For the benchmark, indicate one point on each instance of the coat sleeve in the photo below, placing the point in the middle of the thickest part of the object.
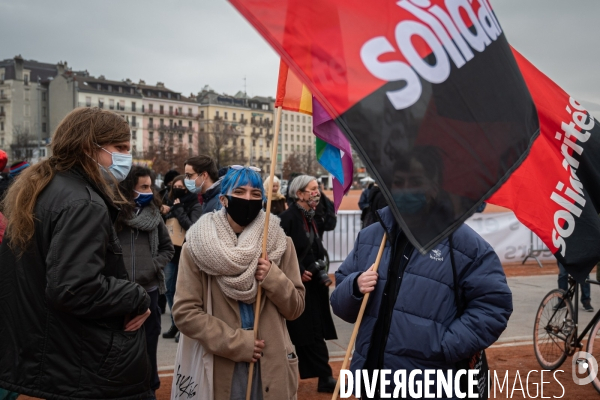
(343, 301)
(213, 333)
(488, 302)
(165, 247)
(283, 285)
(75, 262)
(187, 220)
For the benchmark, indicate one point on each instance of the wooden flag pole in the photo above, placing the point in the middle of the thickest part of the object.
(358, 321)
(264, 242)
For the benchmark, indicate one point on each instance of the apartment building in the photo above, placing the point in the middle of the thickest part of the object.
(24, 107)
(296, 134)
(162, 121)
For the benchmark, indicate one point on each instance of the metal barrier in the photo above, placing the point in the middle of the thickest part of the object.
(536, 248)
(340, 241)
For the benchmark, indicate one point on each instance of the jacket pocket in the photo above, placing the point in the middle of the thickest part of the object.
(126, 359)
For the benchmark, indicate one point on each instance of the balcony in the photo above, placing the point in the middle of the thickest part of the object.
(2, 114)
(243, 121)
(4, 98)
(218, 118)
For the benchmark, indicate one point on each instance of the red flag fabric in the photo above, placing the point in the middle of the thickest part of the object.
(556, 191)
(428, 92)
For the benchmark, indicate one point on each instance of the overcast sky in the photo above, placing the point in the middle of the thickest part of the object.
(191, 43)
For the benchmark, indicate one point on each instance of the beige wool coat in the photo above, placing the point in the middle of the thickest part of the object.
(221, 333)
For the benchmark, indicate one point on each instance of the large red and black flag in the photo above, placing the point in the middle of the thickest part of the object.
(428, 92)
(556, 190)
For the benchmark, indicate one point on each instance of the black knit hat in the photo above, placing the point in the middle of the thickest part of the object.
(170, 175)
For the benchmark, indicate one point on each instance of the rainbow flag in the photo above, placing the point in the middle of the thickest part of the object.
(333, 149)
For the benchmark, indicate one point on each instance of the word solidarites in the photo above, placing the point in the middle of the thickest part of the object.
(564, 219)
(447, 35)
(419, 384)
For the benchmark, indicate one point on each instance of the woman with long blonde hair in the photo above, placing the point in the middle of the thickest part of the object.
(69, 316)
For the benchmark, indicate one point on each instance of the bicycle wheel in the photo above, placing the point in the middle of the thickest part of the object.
(593, 347)
(553, 324)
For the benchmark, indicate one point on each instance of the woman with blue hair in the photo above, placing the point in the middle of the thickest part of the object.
(223, 250)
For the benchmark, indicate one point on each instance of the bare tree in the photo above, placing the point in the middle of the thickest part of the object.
(223, 142)
(169, 153)
(301, 163)
(22, 146)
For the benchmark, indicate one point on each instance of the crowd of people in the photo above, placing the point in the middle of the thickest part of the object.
(93, 253)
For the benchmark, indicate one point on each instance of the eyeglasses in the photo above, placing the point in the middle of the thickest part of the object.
(238, 167)
(189, 176)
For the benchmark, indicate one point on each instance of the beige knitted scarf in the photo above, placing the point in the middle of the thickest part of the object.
(232, 260)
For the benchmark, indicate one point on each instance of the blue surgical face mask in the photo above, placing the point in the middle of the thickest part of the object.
(121, 165)
(409, 202)
(143, 199)
(190, 184)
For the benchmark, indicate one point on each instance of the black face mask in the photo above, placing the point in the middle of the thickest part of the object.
(243, 211)
(179, 193)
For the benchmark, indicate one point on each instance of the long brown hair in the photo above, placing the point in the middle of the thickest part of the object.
(74, 144)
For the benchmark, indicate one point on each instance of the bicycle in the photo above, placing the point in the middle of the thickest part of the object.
(555, 329)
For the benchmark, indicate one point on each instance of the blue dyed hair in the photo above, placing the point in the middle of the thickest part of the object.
(241, 177)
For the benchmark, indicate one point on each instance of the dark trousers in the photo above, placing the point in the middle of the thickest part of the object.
(171, 270)
(152, 328)
(563, 283)
(313, 360)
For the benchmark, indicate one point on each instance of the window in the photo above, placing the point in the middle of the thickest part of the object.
(121, 105)
(304, 138)
(180, 110)
(265, 107)
(109, 88)
(241, 117)
(170, 109)
(233, 116)
(162, 122)
(297, 147)
(100, 103)
(181, 137)
(216, 114)
(292, 128)
(285, 117)
(297, 118)
(201, 113)
(189, 112)
(170, 123)
(111, 104)
(286, 147)
(190, 124)
(190, 139)
(134, 135)
(303, 118)
(285, 127)
(180, 123)
(297, 128)
(43, 127)
(242, 142)
(225, 115)
(150, 108)
(304, 129)
(88, 101)
(151, 136)
(43, 93)
(161, 109)
(253, 142)
(161, 137)
(297, 138)
(26, 79)
(2, 76)
(1, 126)
(133, 122)
(309, 118)
(291, 137)
(133, 106)
(43, 111)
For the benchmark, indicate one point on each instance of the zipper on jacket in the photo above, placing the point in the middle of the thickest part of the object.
(132, 256)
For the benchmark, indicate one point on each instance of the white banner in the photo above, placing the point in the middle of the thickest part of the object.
(511, 240)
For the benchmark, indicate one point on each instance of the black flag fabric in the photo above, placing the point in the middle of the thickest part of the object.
(428, 92)
(556, 190)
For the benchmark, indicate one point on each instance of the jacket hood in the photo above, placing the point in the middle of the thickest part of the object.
(213, 191)
(387, 220)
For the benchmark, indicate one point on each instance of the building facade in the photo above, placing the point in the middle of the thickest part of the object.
(24, 107)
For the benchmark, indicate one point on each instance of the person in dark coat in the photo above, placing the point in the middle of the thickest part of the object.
(315, 325)
(147, 248)
(70, 318)
(187, 210)
(278, 203)
(202, 178)
(376, 203)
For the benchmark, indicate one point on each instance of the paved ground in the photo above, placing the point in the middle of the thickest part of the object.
(528, 292)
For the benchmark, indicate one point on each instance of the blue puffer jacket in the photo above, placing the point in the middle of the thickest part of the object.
(424, 332)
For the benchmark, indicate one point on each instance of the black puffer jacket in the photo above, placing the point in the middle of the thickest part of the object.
(63, 303)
